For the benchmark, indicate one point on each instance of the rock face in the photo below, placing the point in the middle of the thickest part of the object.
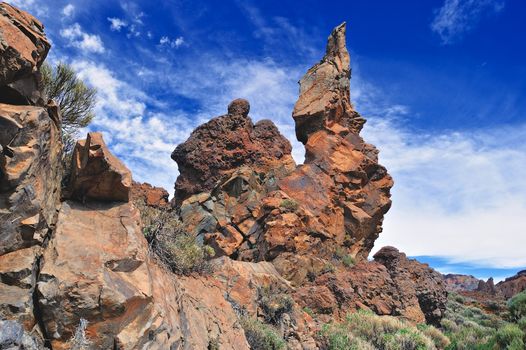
(512, 285)
(96, 173)
(216, 149)
(456, 282)
(152, 196)
(23, 44)
(254, 212)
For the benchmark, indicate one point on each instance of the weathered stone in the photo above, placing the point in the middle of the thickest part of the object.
(218, 148)
(412, 276)
(30, 174)
(23, 44)
(96, 173)
(13, 336)
(457, 282)
(512, 285)
(152, 196)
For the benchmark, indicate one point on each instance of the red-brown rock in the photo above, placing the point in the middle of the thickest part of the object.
(96, 173)
(216, 149)
(23, 44)
(512, 285)
(152, 196)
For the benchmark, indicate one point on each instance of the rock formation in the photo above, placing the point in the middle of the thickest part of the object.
(96, 173)
(152, 196)
(513, 285)
(286, 236)
(458, 282)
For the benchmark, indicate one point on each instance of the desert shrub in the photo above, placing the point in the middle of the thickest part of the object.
(510, 337)
(274, 304)
(517, 306)
(522, 324)
(308, 311)
(79, 341)
(342, 255)
(261, 336)
(76, 101)
(438, 338)
(289, 205)
(167, 239)
(365, 330)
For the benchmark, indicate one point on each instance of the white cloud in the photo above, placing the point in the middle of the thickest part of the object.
(174, 44)
(68, 10)
(116, 23)
(32, 6)
(456, 17)
(458, 195)
(82, 40)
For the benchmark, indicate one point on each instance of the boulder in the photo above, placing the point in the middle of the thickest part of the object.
(96, 173)
(23, 44)
(216, 149)
(458, 282)
(152, 196)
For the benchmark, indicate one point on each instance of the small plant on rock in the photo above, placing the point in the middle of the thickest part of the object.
(261, 336)
(274, 304)
(289, 205)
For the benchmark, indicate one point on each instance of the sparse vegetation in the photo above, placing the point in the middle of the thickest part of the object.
(261, 336)
(365, 330)
(76, 101)
(289, 205)
(517, 306)
(341, 254)
(79, 341)
(175, 248)
(274, 304)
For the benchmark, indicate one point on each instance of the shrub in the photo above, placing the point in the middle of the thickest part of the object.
(79, 341)
(438, 338)
(365, 330)
(308, 311)
(341, 254)
(510, 337)
(274, 304)
(289, 205)
(261, 336)
(167, 239)
(517, 306)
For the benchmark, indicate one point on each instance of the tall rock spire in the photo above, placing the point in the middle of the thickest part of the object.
(324, 100)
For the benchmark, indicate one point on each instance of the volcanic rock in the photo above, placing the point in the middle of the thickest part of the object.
(513, 285)
(96, 173)
(457, 282)
(412, 276)
(23, 44)
(152, 196)
(216, 149)
(30, 174)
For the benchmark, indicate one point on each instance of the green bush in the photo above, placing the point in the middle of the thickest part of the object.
(261, 336)
(274, 304)
(517, 306)
(342, 255)
(365, 330)
(510, 337)
(289, 205)
(167, 239)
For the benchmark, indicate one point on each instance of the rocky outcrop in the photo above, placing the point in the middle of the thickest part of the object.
(96, 173)
(30, 175)
(457, 282)
(218, 148)
(152, 196)
(336, 199)
(23, 48)
(512, 285)
(412, 276)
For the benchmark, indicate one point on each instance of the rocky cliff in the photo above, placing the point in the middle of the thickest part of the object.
(75, 265)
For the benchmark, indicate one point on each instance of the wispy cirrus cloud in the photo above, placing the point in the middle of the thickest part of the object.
(456, 17)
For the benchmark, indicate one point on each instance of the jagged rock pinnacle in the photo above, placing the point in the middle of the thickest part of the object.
(239, 106)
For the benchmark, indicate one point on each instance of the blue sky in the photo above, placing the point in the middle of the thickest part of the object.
(442, 84)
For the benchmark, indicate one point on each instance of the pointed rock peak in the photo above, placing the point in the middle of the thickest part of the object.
(324, 101)
(336, 51)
